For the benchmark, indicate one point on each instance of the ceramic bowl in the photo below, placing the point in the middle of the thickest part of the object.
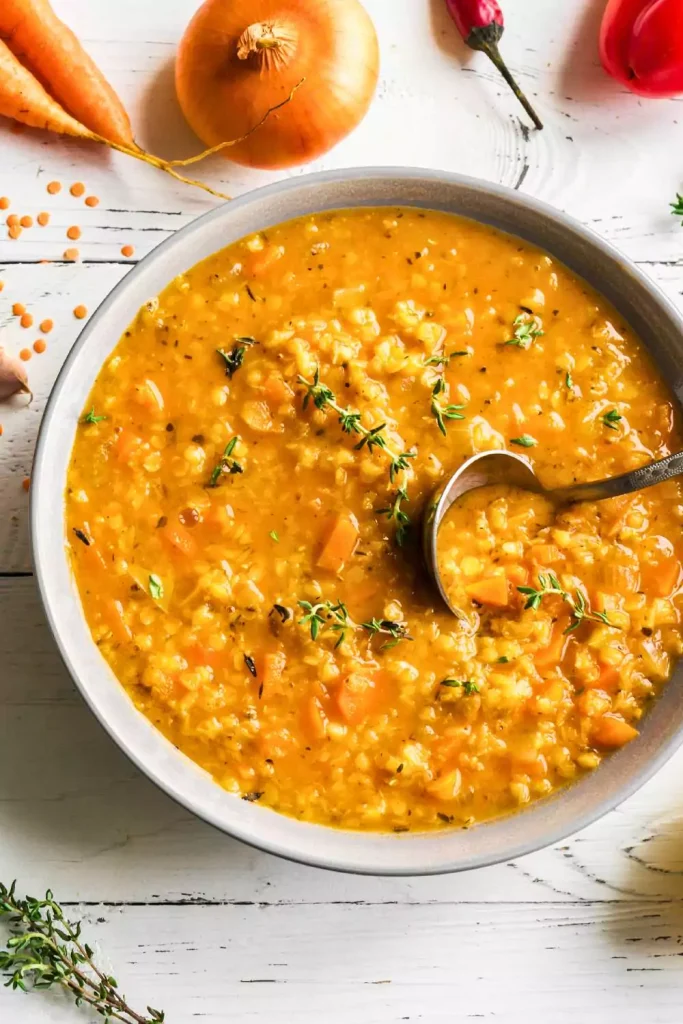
(638, 300)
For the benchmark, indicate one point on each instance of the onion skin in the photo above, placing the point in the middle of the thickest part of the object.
(237, 58)
(13, 378)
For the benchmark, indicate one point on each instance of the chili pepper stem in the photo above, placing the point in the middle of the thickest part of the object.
(493, 53)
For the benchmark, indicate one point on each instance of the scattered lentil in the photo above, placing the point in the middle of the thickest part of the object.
(80, 312)
(74, 233)
(39, 345)
(26, 483)
(4, 202)
(26, 221)
(43, 219)
(77, 189)
(127, 250)
(26, 320)
(25, 354)
(92, 201)
(18, 309)
(71, 254)
(54, 187)
(14, 231)
(12, 220)
(46, 326)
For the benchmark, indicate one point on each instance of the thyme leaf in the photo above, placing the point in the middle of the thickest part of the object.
(90, 417)
(468, 686)
(524, 441)
(677, 207)
(156, 587)
(611, 418)
(235, 357)
(227, 464)
(397, 515)
(526, 327)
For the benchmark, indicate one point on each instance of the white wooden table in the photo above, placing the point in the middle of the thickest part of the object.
(590, 931)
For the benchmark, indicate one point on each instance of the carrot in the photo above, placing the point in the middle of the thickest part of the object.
(179, 538)
(340, 542)
(553, 654)
(546, 554)
(493, 591)
(272, 667)
(612, 731)
(608, 680)
(517, 574)
(126, 443)
(114, 618)
(354, 698)
(23, 98)
(662, 577)
(315, 718)
(36, 36)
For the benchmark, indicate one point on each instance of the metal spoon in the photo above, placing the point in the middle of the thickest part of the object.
(501, 467)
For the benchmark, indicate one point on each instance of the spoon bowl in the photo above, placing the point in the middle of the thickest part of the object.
(503, 467)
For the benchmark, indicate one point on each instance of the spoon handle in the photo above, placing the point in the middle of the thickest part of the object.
(646, 476)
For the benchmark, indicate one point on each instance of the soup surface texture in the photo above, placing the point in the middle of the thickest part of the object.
(243, 510)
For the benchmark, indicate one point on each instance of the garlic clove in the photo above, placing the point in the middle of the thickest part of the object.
(13, 378)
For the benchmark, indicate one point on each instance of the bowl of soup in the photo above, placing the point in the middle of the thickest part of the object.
(225, 510)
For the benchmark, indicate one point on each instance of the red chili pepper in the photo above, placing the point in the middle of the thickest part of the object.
(641, 45)
(480, 23)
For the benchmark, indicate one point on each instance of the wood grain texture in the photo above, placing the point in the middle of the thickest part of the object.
(589, 930)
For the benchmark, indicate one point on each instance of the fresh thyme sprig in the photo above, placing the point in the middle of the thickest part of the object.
(677, 207)
(350, 421)
(443, 359)
(371, 437)
(235, 357)
(440, 411)
(397, 515)
(335, 616)
(44, 949)
(526, 327)
(548, 584)
(227, 464)
(396, 630)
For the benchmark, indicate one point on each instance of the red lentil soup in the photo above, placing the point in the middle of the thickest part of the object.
(244, 496)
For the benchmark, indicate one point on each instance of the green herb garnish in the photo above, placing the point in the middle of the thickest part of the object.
(44, 949)
(677, 207)
(524, 441)
(274, 536)
(526, 328)
(335, 616)
(227, 463)
(396, 630)
(467, 685)
(396, 514)
(156, 587)
(568, 380)
(235, 357)
(548, 584)
(440, 411)
(444, 359)
(350, 421)
(502, 660)
(611, 418)
(90, 417)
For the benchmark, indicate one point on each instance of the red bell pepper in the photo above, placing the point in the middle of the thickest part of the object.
(641, 45)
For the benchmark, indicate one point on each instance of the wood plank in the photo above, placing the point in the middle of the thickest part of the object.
(376, 964)
(78, 815)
